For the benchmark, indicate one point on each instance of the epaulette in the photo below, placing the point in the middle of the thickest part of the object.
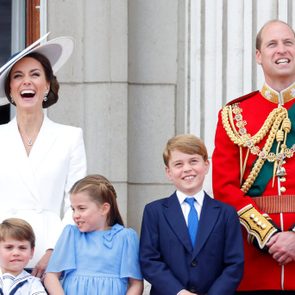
(239, 99)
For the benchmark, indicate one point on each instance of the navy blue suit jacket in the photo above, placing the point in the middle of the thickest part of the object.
(170, 263)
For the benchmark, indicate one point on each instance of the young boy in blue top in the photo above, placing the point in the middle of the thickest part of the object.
(190, 243)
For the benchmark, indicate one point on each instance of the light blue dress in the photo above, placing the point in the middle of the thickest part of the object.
(96, 263)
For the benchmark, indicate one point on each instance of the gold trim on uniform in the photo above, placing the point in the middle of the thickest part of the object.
(278, 97)
(275, 128)
(256, 224)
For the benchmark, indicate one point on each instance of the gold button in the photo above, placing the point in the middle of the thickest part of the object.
(283, 179)
(282, 189)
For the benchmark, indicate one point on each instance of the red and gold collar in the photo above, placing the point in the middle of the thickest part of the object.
(278, 97)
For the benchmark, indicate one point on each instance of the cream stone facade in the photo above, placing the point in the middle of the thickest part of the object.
(146, 70)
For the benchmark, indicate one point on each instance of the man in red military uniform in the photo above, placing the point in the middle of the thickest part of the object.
(254, 165)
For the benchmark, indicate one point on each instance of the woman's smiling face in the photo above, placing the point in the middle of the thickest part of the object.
(28, 84)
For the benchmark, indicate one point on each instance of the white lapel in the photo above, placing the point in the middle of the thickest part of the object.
(43, 143)
(26, 165)
(20, 159)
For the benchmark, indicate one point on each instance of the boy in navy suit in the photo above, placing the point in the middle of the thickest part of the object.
(190, 243)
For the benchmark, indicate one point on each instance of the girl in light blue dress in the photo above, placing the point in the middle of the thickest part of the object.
(97, 255)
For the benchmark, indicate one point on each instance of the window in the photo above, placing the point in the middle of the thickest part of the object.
(32, 21)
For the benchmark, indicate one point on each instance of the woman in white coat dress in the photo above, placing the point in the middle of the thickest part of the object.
(39, 159)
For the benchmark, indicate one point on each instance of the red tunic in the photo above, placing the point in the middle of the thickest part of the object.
(261, 272)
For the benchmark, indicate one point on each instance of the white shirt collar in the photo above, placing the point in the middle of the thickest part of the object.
(199, 197)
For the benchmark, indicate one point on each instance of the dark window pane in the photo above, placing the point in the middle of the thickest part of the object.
(5, 47)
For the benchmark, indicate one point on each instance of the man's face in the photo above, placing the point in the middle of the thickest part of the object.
(277, 53)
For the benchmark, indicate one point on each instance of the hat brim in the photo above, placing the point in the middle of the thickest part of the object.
(57, 51)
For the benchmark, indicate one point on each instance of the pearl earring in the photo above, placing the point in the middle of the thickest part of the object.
(45, 96)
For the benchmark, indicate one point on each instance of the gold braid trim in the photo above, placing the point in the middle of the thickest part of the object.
(266, 149)
(256, 224)
(246, 140)
(243, 139)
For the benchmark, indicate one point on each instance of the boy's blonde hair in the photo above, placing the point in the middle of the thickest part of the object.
(17, 229)
(185, 143)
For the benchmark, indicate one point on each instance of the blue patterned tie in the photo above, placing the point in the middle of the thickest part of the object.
(193, 220)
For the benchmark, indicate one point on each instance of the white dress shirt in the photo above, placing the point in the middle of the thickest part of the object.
(185, 207)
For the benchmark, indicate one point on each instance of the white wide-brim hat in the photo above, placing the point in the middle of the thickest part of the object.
(57, 51)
